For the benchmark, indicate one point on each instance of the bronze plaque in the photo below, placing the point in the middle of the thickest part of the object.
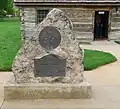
(49, 66)
(49, 38)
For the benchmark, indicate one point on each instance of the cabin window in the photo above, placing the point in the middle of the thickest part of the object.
(41, 14)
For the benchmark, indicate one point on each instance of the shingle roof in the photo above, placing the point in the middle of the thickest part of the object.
(70, 2)
(67, 1)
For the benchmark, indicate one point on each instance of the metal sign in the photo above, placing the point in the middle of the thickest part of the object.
(49, 66)
(49, 38)
(101, 12)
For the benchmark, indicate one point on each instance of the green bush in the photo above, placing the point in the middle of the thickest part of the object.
(2, 14)
(17, 12)
(10, 9)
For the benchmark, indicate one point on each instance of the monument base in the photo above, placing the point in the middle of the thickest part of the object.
(48, 91)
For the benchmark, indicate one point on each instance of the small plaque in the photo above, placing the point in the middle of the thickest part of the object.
(49, 66)
(49, 38)
(101, 12)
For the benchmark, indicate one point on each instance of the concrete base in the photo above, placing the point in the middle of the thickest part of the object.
(48, 91)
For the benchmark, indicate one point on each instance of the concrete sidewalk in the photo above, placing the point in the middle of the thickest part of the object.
(108, 74)
(105, 82)
(4, 78)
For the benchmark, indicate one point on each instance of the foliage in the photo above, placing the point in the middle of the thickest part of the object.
(6, 7)
(17, 12)
(3, 4)
(2, 13)
(3, 7)
(10, 9)
(94, 59)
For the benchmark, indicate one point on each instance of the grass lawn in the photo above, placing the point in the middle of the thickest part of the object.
(118, 42)
(10, 44)
(94, 59)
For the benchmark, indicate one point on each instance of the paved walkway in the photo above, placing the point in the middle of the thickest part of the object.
(105, 81)
(4, 77)
(108, 74)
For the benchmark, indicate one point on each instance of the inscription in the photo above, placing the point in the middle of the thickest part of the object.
(49, 66)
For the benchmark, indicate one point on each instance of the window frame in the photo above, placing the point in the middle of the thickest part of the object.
(41, 14)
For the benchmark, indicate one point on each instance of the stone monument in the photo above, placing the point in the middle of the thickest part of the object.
(49, 65)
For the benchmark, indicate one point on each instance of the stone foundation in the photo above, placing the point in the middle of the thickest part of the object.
(48, 91)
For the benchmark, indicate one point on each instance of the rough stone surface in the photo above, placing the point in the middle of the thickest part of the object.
(48, 91)
(23, 65)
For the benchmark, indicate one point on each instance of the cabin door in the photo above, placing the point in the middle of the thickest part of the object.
(101, 25)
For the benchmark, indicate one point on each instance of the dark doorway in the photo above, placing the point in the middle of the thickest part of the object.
(101, 25)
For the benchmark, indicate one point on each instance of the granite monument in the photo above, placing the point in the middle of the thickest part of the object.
(50, 63)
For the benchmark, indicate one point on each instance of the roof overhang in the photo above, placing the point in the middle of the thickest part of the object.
(113, 3)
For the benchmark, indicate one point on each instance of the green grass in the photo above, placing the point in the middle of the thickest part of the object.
(94, 59)
(118, 42)
(10, 44)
